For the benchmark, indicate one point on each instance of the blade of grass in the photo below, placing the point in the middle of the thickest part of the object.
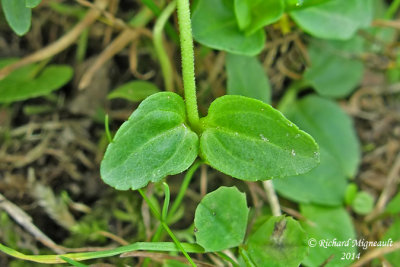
(72, 262)
(147, 246)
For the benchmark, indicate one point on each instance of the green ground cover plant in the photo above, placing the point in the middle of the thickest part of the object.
(307, 145)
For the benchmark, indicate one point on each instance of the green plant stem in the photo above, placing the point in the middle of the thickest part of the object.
(179, 197)
(157, 11)
(184, 186)
(246, 257)
(82, 46)
(166, 227)
(107, 129)
(73, 263)
(227, 258)
(166, 67)
(391, 11)
(141, 18)
(149, 246)
(166, 203)
(290, 96)
(187, 54)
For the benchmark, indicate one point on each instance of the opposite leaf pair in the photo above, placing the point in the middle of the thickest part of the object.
(240, 136)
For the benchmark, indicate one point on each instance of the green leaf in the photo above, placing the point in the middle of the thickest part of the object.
(280, 241)
(73, 263)
(323, 185)
(214, 25)
(394, 205)
(363, 203)
(18, 16)
(335, 71)
(249, 140)
(247, 77)
(338, 19)
(350, 194)
(32, 3)
(392, 235)
(340, 153)
(22, 84)
(253, 15)
(243, 13)
(321, 118)
(221, 219)
(327, 224)
(153, 143)
(291, 5)
(134, 91)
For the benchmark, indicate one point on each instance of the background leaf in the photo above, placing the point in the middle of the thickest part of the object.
(259, 13)
(335, 69)
(280, 241)
(32, 3)
(18, 16)
(134, 91)
(393, 233)
(394, 205)
(338, 19)
(301, 4)
(363, 203)
(246, 77)
(153, 143)
(249, 140)
(221, 219)
(327, 224)
(340, 153)
(22, 84)
(214, 25)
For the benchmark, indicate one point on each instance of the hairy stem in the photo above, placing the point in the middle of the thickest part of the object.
(187, 53)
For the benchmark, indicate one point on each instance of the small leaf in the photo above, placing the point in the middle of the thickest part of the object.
(21, 84)
(221, 219)
(335, 71)
(249, 140)
(253, 15)
(325, 225)
(363, 203)
(280, 241)
(214, 25)
(134, 91)
(394, 205)
(338, 19)
(247, 77)
(153, 143)
(339, 147)
(18, 16)
(350, 194)
(32, 3)
(393, 235)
